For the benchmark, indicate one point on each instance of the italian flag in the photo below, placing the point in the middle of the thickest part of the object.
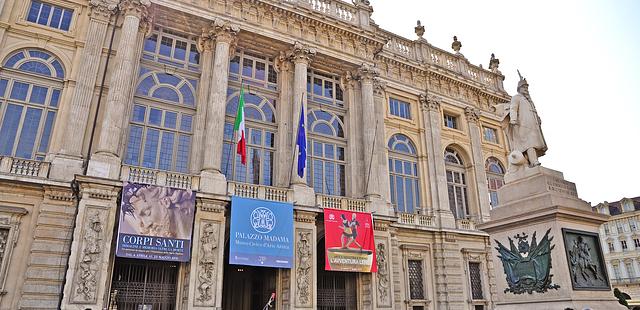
(238, 128)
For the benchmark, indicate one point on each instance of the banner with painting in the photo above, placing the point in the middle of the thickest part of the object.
(348, 241)
(261, 233)
(155, 223)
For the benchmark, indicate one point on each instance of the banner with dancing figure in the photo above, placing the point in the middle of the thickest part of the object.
(348, 241)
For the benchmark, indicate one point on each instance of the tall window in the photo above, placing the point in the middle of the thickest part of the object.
(490, 134)
(616, 271)
(456, 184)
(161, 124)
(475, 279)
(173, 49)
(30, 88)
(623, 244)
(450, 121)
(495, 179)
(50, 15)
(325, 120)
(630, 272)
(403, 174)
(260, 124)
(416, 282)
(254, 70)
(399, 108)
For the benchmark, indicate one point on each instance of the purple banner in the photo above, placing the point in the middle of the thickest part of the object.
(155, 223)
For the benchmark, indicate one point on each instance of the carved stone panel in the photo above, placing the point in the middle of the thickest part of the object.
(304, 265)
(586, 264)
(206, 276)
(90, 257)
(383, 277)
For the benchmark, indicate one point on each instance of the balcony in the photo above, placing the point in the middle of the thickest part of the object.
(342, 203)
(465, 224)
(420, 220)
(24, 167)
(161, 178)
(260, 192)
(623, 281)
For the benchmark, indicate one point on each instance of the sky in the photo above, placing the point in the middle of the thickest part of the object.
(578, 57)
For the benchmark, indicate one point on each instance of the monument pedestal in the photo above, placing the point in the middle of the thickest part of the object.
(534, 202)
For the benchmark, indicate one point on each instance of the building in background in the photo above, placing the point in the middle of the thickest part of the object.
(620, 239)
(96, 94)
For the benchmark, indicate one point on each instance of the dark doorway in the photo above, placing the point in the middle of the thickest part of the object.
(337, 290)
(247, 287)
(145, 284)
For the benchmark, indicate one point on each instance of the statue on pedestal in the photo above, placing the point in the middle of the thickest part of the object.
(526, 141)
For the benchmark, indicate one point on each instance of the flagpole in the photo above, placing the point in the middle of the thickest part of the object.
(375, 135)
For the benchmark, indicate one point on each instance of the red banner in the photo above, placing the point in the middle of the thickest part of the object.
(348, 241)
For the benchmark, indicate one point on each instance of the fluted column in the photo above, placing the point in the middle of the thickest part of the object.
(354, 184)
(380, 102)
(473, 115)
(67, 148)
(301, 56)
(370, 135)
(430, 106)
(284, 152)
(205, 47)
(105, 162)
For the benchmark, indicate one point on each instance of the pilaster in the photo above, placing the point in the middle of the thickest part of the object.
(383, 284)
(370, 133)
(303, 273)
(473, 115)
(225, 36)
(105, 162)
(207, 256)
(380, 150)
(354, 184)
(430, 106)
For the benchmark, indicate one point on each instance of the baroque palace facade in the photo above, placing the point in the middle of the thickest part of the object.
(95, 94)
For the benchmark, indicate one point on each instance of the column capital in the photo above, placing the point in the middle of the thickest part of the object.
(430, 102)
(379, 86)
(223, 31)
(472, 114)
(367, 73)
(282, 62)
(137, 8)
(102, 9)
(348, 80)
(301, 53)
(205, 42)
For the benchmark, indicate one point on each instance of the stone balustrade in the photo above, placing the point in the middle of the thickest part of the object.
(342, 203)
(339, 10)
(420, 220)
(621, 281)
(465, 224)
(24, 167)
(259, 192)
(161, 178)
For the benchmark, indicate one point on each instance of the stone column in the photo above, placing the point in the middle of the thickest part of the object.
(303, 273)
(207, 256)
(284, 152)
(473, 116)
(354, 184)
(225, 36)
(382, 169)
(370, 134)
(88, 273)
(67, 159)
(105, 162)
(301, 56)
(205, 47)
(430, 106)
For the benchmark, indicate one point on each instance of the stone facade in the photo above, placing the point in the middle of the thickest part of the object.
(620, 240)
(58, 205)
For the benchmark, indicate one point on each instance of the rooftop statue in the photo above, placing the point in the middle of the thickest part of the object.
(526, 141)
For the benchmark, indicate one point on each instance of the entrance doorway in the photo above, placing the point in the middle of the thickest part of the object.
(337, 290)
(247, 287)
(145, 284)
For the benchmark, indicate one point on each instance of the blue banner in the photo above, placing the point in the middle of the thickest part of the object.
(261, 233)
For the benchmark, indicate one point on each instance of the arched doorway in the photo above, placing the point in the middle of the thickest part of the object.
(337, 290)
(247, 287)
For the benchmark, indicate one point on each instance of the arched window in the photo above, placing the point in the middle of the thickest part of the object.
(403, 174)
(260, 127)
(326, 152)
(495, 179)
(161, 124)
(30, 90)
(456, 184)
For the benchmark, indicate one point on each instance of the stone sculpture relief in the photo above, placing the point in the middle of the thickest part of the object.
(586, 266)
(528, 266)
(208, 255)
(90, 258)
(303, 269)
(382, 274)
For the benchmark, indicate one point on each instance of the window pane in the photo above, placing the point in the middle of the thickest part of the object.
(3, 87)
(182, 156)
(44, 14)
(317, 86)
(273, 75)
(55, 98)
(318, 176)
(329, 151)
(400, 197)
(9, 128)
(341, 180)
(180, 52)
(170, 119)
(194, 55)
(269, 139)
(234, 66)
(254, 166)
(186, 122)
(138, 113)
(46, 133)
(19, 91)
(256, 137)
(38, 95)
(30, 127)
(227, 166)
(166, 44)
(329, 178)
(410, 199)
(56, 17)
(134, 145)
(267, 168)
(33, 11)
(340, 153)
(155, 117)
(260, 70)
(151, 148)
(317, 148)
(240, 169)
(392, 187)
(150, 43)
(247, 67)
(66, 20)
(328, 89)
(166, 150)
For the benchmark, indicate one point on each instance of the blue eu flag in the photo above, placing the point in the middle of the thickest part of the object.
(301, 142)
